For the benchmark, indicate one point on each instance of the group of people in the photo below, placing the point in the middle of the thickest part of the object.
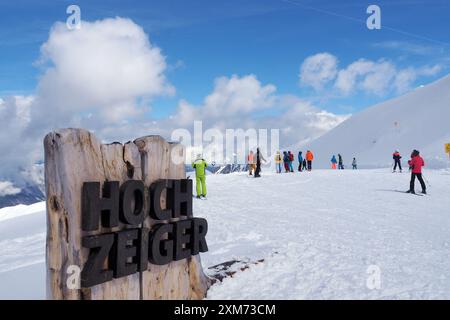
(340, 163)
(287, 159)
(415, 167)
(254, 161)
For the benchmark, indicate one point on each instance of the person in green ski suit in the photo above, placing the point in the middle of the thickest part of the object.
(200, 175)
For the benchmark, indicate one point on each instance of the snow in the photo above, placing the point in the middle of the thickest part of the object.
(417, 120)
(22, 252)
(319, 233)
(20, 210)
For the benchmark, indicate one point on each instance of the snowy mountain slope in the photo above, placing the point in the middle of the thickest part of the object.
(315, 231)
(30, 184)
(28, 194)
(231, 168)
(418, 120)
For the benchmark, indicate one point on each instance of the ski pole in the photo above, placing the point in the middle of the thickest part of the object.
(426, 180)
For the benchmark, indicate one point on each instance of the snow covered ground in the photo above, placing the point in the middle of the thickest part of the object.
(317, 232)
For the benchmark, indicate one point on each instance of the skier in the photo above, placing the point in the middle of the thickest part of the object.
(200, 176)
(291, 160)
(333, 162)
(278, 161)
(396, 156)
(259, 158)
(416, 163)
(286, 161)
(300, 161)
(309, 159)
(304, 167)
(340, 162)
(251, 163)
(354, 165)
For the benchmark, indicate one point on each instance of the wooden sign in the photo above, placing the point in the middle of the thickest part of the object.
(81, 175)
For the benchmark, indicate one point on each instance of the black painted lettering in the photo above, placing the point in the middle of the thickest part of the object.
(198, 236)
(94, 208)
(182, 230)
(123, 257)
(156, 191)
(132, 202)
(160, 249)
(93, 272)
(181, 198)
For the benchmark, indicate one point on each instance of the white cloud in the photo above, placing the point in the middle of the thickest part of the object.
(370, 77)
(405, 78)
(106, 66)
(318, 70)
(17, 149)
(7, 189)
(408, 47)
(104, 77)
(95, 77)
(230, 97)
(240, 102)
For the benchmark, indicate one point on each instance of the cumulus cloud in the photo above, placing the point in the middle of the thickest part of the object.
(230, 97)
(17, 149)
(104, 78)
(7, 189)
(100, 76)
(241, 102)
(106, 65)
(317, 70)
(366, 75)
(370, 77)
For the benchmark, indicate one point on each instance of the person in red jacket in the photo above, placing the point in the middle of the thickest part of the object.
(416, 163)
(396, 156)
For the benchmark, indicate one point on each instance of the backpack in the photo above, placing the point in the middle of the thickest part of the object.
(291, 157)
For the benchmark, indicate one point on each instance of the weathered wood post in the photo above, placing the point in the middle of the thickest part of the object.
(75, 156)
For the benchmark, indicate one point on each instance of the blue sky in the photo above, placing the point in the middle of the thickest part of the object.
(203, 40)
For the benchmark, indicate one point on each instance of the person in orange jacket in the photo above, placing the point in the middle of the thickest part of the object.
(309, 159)
(251, 163)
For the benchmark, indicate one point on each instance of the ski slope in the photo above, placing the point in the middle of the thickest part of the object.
(317, 232)
(416, 120)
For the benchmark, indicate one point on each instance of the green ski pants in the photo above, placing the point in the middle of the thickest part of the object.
(201, 185)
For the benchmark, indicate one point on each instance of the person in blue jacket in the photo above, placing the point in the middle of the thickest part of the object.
(286, 161)
(300, 161)
(333, 162)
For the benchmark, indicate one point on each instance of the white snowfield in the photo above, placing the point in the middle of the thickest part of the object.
(322, 235)
(416, 120)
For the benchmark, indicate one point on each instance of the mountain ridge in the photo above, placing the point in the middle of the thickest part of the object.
(416, 120)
